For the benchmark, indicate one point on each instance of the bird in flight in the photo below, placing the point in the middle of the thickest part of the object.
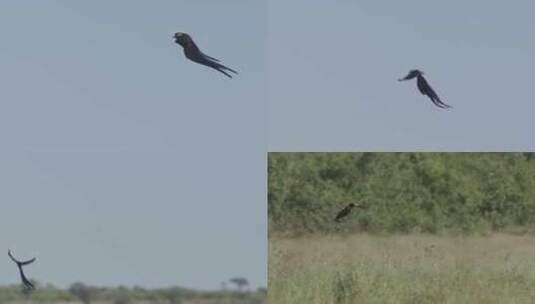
(425, 88)
(345, 212)
(193, 53)
(25, 280)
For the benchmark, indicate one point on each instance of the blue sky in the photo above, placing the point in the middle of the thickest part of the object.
(122, 162)
(333, 69)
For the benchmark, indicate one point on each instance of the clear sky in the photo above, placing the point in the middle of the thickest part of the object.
(333, 68)
(121, 161)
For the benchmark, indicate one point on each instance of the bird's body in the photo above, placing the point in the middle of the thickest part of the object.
(425, 88)
(25, 280)
(193, 53)
(345, 212)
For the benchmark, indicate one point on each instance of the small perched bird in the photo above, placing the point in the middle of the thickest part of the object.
(425, 88)
(345, 212)
(193, 53)
(25, 281)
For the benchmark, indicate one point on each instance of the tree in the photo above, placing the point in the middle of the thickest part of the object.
(239, 282)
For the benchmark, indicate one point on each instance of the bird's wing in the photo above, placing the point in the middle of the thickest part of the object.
(337, 217)
(424, 86)
(20, 262)
(193, 47)
(211, 61)
(429, 90)
(342, 213)
(426, 89)
(27, 262)
(11, 256)
(194, 54)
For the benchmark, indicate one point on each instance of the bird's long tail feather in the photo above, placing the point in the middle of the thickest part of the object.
(439, 103)
(221, 68)
(210, 57)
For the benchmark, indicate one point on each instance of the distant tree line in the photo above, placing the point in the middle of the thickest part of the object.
(403, 192)
(82, 293)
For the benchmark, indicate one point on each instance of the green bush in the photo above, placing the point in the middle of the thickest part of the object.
(403, 192)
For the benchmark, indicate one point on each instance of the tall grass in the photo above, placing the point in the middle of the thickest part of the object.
(402, 269)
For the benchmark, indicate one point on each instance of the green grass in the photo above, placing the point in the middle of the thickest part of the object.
(402, 269)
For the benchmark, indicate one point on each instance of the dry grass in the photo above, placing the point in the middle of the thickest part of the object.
(402, 269)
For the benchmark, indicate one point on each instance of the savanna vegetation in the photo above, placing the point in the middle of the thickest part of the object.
(402, 269)
(82, 293)
(403, 192)
(436, 228)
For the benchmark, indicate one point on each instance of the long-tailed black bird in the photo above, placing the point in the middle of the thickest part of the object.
(425, 88)
(193, 53)
(25, 280)
(345, 212)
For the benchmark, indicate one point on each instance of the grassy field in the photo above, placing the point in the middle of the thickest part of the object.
(402, 269)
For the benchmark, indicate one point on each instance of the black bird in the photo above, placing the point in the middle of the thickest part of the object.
(425, 88)
(193, 53)
(25, 281)
(345, 212)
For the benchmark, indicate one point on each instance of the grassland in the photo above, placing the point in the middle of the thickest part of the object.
(402, 269)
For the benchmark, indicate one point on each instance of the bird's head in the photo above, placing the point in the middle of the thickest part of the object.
(412, 74)
(181, 38)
